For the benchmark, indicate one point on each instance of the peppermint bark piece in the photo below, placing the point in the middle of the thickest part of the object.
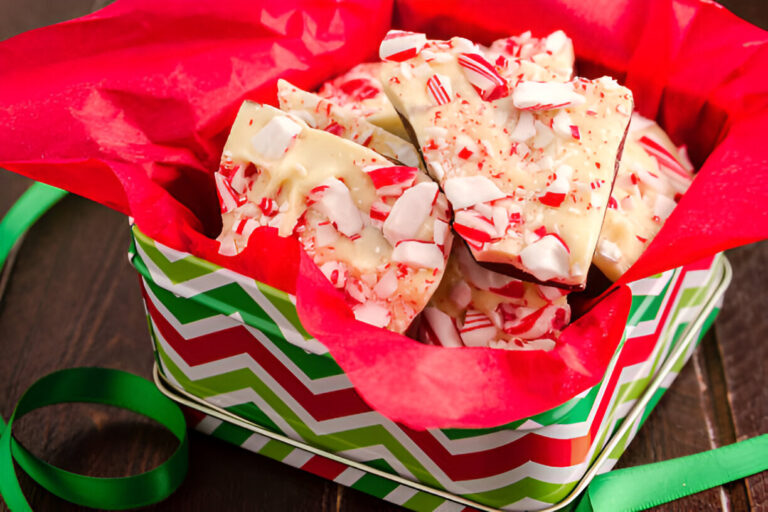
(553, 53)
(359, 90)
(378, 232)
(476, 307)
(527, 166)
(325, 115)
(653, 176)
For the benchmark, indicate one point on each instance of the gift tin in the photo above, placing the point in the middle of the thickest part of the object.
(234, 352)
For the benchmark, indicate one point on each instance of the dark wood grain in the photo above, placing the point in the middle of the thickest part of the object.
(742, 333)
(73, 300)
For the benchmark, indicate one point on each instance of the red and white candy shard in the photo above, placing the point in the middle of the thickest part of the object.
(545, 96)
(475, 307)
(359, 91)
(343, 120)
(399, 45)
(334, 201)
(653, 176)
(553, 53)
(377, 231)
(409, 213)
(275, 138)
(439, 88)
(526, 159)
(483, 76)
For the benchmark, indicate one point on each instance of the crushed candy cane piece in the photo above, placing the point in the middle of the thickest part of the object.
(359, 92)
(275, 138)
(400, 45)
(529, 95)
(483, 76)
(333, 199)
(372, 313)
(409, 212)
(419, 254)
(439, 87)
(442, 328)
(391, 180)
(466, 191)
(546, 258)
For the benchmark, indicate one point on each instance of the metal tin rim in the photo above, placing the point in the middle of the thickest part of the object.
(183, 397)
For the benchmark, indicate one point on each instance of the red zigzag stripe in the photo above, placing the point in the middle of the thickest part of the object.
(480, 464)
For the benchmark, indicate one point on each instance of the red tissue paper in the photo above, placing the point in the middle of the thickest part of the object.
(131, 107)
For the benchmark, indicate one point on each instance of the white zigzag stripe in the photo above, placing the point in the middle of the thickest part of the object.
(349, 476)
(220, 322)
(529, 469)
(503, 437)
(485, 479)
(449, 506)
(297, 458)
(186, 289)
(374, 452)
(223, 277)
(194, 329)
(697, 278)
(650, 285)
(528, 504)
(290, 333)
(400, 494)
(507, 438)
(255, 442)
(247, 395)
(208, 424)
(171, 254)
(649, 326)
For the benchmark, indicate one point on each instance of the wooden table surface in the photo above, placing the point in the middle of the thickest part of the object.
(73, 300)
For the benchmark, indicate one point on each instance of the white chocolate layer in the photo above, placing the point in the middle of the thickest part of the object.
(359, 89)
(336, 196)
(476, 307)
(652, 177)
(550, 148)
(345, 122)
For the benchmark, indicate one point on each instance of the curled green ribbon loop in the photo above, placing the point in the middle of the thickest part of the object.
(93, 385)
(104, 386)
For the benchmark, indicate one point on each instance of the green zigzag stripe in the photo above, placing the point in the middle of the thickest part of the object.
(232, 298)
(643, 308)
(191, 267)
(284, 303)
(688, 297)
(196, 308)
(213, 302)
(179, 271)
(576, 410)
(337, 442)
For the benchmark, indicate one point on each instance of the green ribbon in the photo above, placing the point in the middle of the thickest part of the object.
(642, 487)
(102, 386)
(38, 199)
(91, 385)
(627, 489)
